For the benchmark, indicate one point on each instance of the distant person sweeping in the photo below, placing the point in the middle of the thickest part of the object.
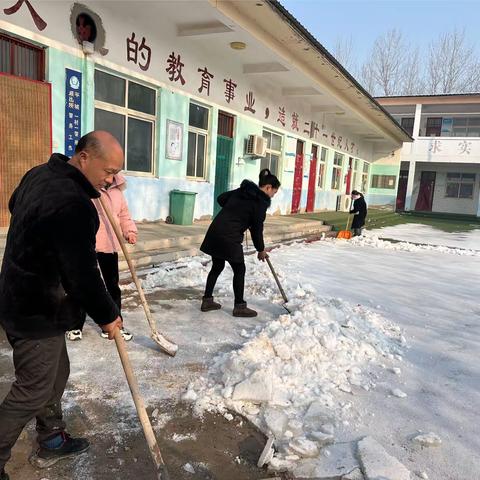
(242, 209)
(359, 212)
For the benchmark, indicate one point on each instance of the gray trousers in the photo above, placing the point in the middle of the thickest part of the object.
(42, 368)
(357, 231)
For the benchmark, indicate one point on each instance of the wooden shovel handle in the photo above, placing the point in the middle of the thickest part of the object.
(162, 473)
(285, 299)
(128, 258)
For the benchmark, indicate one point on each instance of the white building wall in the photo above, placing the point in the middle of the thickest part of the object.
(441, 203)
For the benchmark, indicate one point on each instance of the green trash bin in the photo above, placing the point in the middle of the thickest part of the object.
(182, 206)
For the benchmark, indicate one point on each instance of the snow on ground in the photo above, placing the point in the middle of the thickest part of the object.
(381, 342)
(418, 233)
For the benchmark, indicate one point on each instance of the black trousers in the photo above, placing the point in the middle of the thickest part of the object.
(108, 264)
(239, 269)
(42, 368)
(357, 231)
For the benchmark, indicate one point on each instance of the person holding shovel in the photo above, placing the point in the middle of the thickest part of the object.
(359, 212)
(107, 245)
(48, 276)
(242, 209)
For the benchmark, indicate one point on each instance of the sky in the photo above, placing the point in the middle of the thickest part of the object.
(421, 21)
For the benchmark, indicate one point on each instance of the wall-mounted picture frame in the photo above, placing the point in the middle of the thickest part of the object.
(174, 143)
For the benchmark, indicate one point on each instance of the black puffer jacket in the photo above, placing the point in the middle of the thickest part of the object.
(49, 272)
(243, 208)
(359, 209)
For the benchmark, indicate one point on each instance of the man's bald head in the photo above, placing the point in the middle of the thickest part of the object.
(98, 155)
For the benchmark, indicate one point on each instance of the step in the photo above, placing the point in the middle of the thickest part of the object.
(146, 258)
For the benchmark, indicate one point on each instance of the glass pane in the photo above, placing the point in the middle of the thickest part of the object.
(109, 89)
(191, 154)
(4, 56)
(139, 150)
(324, 154)
(468, 177)
(473, 131)
(466, 190)
(268, 137)
(459, 122)
(141, 98)
(321, 173)
(276, 142)
(265, 162)
(202, 139)
(453, 175)
(274, 159)
(365, 167)
(452, 190)
(111, 122)
(198, 116)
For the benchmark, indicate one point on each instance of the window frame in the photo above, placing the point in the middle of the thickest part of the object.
(382, 181)
(205, 133)
(364, 177)
(270, 151)
(322, 162)
(39, 51)
(335, 168)
(461, 181)
(127, 113)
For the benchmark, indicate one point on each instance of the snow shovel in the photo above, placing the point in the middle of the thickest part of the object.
(163, 342)
(346, 234)
(161, 469)
(285, 299)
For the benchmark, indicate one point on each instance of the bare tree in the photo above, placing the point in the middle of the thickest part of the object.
(343, 52)
(367, 80)
(412, 81)
(452, 65)
(387, 61)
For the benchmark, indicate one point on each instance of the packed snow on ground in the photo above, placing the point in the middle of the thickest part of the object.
(426, 234)
(381, 342)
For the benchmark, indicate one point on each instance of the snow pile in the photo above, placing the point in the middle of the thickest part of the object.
(372, 240)
(189, 273)
(294, 377)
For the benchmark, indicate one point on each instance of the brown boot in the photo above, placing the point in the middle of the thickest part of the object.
(241, 310)
(208, 305)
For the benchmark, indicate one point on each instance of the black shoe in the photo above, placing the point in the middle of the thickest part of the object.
(241, 310)
(71, 447)
(208, 304)
(4, 475)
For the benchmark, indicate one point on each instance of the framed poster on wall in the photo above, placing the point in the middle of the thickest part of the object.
(174, 141)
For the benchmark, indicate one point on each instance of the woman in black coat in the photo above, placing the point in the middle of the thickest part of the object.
(242, 209)
(359, 212)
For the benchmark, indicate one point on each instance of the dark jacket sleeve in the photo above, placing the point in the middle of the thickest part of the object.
(222, 199)
(73, 234)
(256, 229)
(354, 208)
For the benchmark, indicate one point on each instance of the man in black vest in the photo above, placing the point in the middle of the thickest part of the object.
(49, 276)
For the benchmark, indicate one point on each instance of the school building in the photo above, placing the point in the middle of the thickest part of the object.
(440, 170)
(201, 94)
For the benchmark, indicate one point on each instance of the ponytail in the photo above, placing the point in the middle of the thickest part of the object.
(267, 178)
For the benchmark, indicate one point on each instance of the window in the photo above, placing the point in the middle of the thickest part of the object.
(322, 167)
(407, 124)
(460, 185)
(271, 160)
(197, 140)
(366, 169)
(466, 127)
(356, 168)
(434, 127)
(127, 110)
(384, 181)
(337, 171)
(21, 59)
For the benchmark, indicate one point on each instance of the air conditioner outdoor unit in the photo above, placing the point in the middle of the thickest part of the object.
(343, 203)
(256, 146)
